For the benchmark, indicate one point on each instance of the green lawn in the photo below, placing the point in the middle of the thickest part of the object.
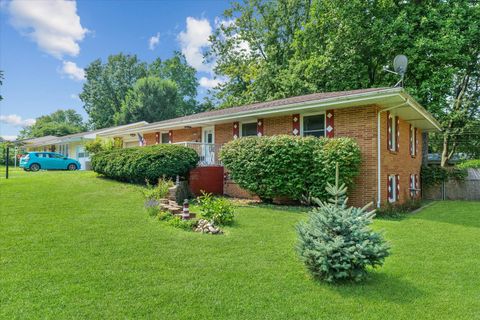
(73, 245)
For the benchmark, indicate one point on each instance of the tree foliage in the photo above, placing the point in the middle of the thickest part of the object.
(58, 123)
(275, 49)
(151, 99)
(108, 85)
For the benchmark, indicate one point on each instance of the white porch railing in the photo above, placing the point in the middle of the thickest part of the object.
(208, 152)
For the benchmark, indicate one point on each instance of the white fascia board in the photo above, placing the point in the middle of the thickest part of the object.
(421, 110)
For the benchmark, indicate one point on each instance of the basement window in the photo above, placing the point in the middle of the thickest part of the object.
(393, 188)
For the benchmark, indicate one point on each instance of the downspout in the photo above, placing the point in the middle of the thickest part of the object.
(379, 152)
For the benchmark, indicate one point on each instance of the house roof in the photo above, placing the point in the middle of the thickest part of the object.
(385, 97)
(49, 140)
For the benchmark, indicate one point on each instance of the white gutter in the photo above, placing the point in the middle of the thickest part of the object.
(379, 152)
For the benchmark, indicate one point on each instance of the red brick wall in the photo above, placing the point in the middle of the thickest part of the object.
(149, 138)
(399, 162)
(191, 134)
(278, 125)
(361, 125)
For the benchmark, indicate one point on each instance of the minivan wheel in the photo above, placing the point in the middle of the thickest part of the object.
(34, 167)
(72, 166)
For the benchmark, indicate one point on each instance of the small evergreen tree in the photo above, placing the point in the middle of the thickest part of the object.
(336, 242)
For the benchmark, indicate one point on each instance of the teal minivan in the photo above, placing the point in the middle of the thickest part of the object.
(34, 161)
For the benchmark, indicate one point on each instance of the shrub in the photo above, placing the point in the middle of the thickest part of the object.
(187, 225)
(164, 216)
(336, 242)
(395, 210)
(99, 145)
(470, 164)
(288, 166)
(218, 210)
(158, 191)
(145, 163)
(433, 175)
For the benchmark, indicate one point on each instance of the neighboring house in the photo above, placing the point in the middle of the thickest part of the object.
(72, 145)
(387, 123)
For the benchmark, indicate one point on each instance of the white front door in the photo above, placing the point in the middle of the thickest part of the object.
(208, 146)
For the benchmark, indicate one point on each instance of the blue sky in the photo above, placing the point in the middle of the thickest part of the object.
(44, 44)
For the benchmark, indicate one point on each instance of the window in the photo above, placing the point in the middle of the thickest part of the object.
(413, 141)
(249, 129)
(393, 187)
(165, 138)
(57, 156)
(314, 125)
(414, 185)
(392, 125)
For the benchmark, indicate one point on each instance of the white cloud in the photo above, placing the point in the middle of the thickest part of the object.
(73, 71)
(154, 41)
(194, 40)
(9, 138)
(15, 120)
(53, 24)
(209, 83)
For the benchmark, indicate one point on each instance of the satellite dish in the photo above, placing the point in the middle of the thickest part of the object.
(400, 64)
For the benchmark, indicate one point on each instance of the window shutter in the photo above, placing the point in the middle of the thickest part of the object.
(330, 128)
(295, 124)
(236, 130)
(397, 133)
(260, 127)
(170, 136)
(389, 131)
(397, 182)
(157, 137)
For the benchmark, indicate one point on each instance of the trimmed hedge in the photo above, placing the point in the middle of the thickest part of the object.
(288, 166)
(145, 163)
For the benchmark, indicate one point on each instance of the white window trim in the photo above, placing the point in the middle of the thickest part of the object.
(240, 129)
(314, 114)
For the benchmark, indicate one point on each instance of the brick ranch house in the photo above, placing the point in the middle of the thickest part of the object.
(387, 123)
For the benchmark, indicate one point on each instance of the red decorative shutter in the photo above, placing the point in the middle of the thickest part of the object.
(397, 132)
(236, 130)
(389, 131)
(410, 139)
(260, 127)
(330, 132)
(295, 124)
(157, 137)
(397, 182)
(170, 136)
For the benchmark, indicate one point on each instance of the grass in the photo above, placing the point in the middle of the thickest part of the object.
(73, 245)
